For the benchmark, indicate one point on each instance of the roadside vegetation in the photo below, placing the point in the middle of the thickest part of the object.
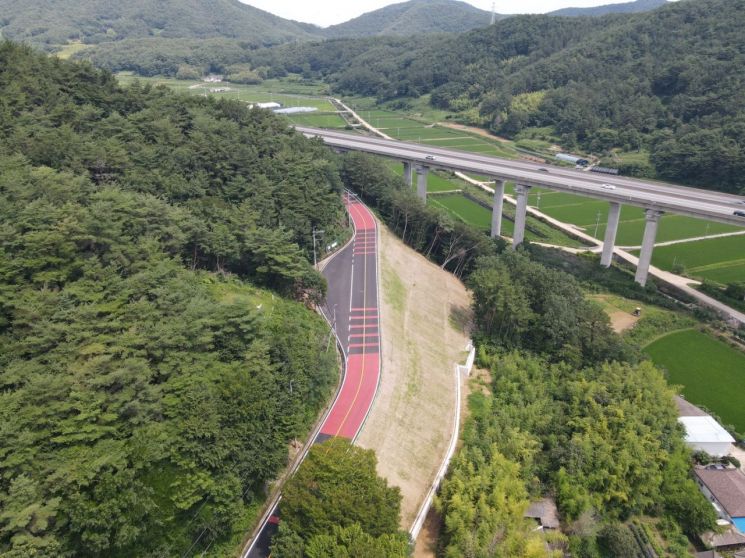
(336, 505)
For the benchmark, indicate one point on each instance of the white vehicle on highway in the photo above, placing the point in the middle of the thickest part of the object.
(430, 157)
(608, 187)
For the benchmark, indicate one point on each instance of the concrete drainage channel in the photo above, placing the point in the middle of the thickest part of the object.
(460, 371)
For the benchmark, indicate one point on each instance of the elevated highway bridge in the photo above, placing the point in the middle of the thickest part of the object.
(656, 198)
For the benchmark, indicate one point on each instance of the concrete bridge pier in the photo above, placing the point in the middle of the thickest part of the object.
(610, 234)
(650, 234)
(521, 214)
(409, 172)
(421, 182)
(496, 214)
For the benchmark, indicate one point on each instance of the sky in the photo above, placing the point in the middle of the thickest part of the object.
(329, 12)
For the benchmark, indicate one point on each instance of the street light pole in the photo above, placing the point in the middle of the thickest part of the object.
(315, 259)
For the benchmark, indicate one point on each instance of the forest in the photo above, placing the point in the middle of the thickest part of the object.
(51, 24)
(157, 350)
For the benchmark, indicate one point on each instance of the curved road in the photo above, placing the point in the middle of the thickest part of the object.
(352, 309)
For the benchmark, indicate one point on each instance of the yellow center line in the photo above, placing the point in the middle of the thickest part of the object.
(362, 372)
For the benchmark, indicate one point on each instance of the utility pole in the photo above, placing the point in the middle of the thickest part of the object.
(315, 259)
(597, 225)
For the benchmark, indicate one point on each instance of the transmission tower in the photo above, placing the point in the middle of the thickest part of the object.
(493, 13)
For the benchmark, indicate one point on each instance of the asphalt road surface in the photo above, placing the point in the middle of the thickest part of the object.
(352, 309)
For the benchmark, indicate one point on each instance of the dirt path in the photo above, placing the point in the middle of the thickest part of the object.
(411, 421)
(472, 130)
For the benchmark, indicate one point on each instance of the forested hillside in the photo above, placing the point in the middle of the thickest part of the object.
(412, 17)
(667, 82)
(50, 23)
(620, 8)
(154, 362)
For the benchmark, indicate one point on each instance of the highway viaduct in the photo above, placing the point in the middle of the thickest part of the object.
(656, 198)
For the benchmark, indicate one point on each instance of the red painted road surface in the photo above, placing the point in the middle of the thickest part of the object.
(362, 343)
(352, 307)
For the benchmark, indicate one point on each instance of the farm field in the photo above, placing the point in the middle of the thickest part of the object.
(410, 129)
(318, 120)
(288, 93)
(589, 214)
(720, 259)
(711, 372)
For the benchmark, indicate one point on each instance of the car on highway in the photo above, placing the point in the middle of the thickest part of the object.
(543, 169)
(430, 157)
(739, 213)
(608, 187)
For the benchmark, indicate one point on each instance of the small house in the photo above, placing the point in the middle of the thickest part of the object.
(545, 513)
(725, 488)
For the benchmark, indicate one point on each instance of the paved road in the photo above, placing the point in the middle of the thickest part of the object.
(702, 204)
(352, 308)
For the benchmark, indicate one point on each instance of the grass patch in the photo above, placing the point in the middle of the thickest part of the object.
(70, 49)
(711, 372)
(394, 290)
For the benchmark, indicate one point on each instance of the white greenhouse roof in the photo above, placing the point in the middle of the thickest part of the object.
(704, 429)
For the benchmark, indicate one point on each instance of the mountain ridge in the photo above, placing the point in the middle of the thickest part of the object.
(53, 23)
(414, 16)
(623, 8)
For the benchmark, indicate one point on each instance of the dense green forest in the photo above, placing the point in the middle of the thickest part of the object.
(337, 506)
(667, 83)
(52, 23)
(620, 8)
(156, 349)
(413, 17)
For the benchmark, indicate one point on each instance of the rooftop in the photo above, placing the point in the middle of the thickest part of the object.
(704, 429)
(727, 486)
(545, 511)
(688, 409)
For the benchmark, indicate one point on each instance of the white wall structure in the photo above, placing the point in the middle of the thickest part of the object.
(703, 433)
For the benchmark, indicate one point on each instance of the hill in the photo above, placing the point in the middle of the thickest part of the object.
(50, 23)
(415, 16)
(666, 84)
(156, 350)
(622, 8)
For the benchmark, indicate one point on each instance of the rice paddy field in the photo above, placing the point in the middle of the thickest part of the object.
(721, 260)
(711, 372)
(415, 130)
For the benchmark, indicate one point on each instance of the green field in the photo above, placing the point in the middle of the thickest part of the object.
(721, 259)
(464, 209)
(712, 373)
(318, 120)
(288, 93)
